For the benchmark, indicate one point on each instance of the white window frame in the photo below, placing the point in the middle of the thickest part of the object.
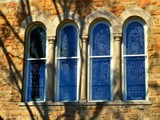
(124, 84)
(28, 59)
(64, 58)
(89, 93)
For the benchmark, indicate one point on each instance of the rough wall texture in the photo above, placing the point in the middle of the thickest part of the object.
(12, 45)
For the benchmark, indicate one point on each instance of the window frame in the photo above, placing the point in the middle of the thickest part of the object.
(78, 58)
(124, 84)
(89, 83)
(27, 59)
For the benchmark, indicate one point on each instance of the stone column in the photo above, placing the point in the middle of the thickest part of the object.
(51, 68)
(83, 87)
(117, 67)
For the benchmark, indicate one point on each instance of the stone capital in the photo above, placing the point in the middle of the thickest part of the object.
(117, 36)
(51, 39)
(84, 38)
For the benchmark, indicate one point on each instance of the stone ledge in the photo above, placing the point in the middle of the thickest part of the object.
(113, 103)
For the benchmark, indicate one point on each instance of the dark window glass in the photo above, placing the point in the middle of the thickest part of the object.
(36, 66)
(38, 43)
(36, 80)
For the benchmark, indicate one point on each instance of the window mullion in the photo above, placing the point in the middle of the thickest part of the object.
(58, 58)
(108, 56)
(135, 55)
(36, 59)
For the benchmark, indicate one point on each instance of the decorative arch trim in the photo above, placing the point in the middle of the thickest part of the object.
(136, 12)
(68, 15)
(101, 13)
(36, 17)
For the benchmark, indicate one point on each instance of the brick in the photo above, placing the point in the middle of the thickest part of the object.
(125, 0)
(153, 54)
(106, 117)
(2, 21)
(153, 1)
(158, 99)
(153, 91)
(158, 3)
(155, 110)
(154, 83)
(151, 8)
(143, 2)
(117, 10)
(154, 117)
(145, 113)
(12, 4)
(154, 69)
(131, 116)
(156, 12)
(158, 116)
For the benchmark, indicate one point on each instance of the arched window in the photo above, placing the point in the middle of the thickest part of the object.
(135, 60)
(100, 74)
(67, 63)
(35, 64)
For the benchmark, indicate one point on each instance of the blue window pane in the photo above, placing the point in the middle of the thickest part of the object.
(135, 78)
(68, 93)
(36, 82)
(68, 42)
(101, 92)
(136, 92)
(134, 39)
(38, 43)
(68, 78)
(100, 43)
(100, 76)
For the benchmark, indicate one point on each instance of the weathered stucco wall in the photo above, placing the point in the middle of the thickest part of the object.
(12, 45)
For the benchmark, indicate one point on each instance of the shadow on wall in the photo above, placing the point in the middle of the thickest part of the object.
(14, 73)
(1, 118)
(12, 47)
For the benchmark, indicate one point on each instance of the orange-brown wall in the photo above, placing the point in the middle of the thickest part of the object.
(12, 45)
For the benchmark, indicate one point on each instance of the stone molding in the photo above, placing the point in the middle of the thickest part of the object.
(136, 11)
(37, 17)
(118, 102)
(101, 14)
(84, 38)
(83, 92)
(84, 24)
(64, 17)
(51, 39)
(117, 36)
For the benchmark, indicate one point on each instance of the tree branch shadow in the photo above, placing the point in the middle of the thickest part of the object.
(15, 75)
(67, 6)
(13, 71)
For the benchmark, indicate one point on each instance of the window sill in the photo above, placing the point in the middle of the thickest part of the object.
(113, 103)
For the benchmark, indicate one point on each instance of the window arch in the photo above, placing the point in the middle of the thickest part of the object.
(135, 60)
(67, 63)
(36, 64)
(100, 58)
